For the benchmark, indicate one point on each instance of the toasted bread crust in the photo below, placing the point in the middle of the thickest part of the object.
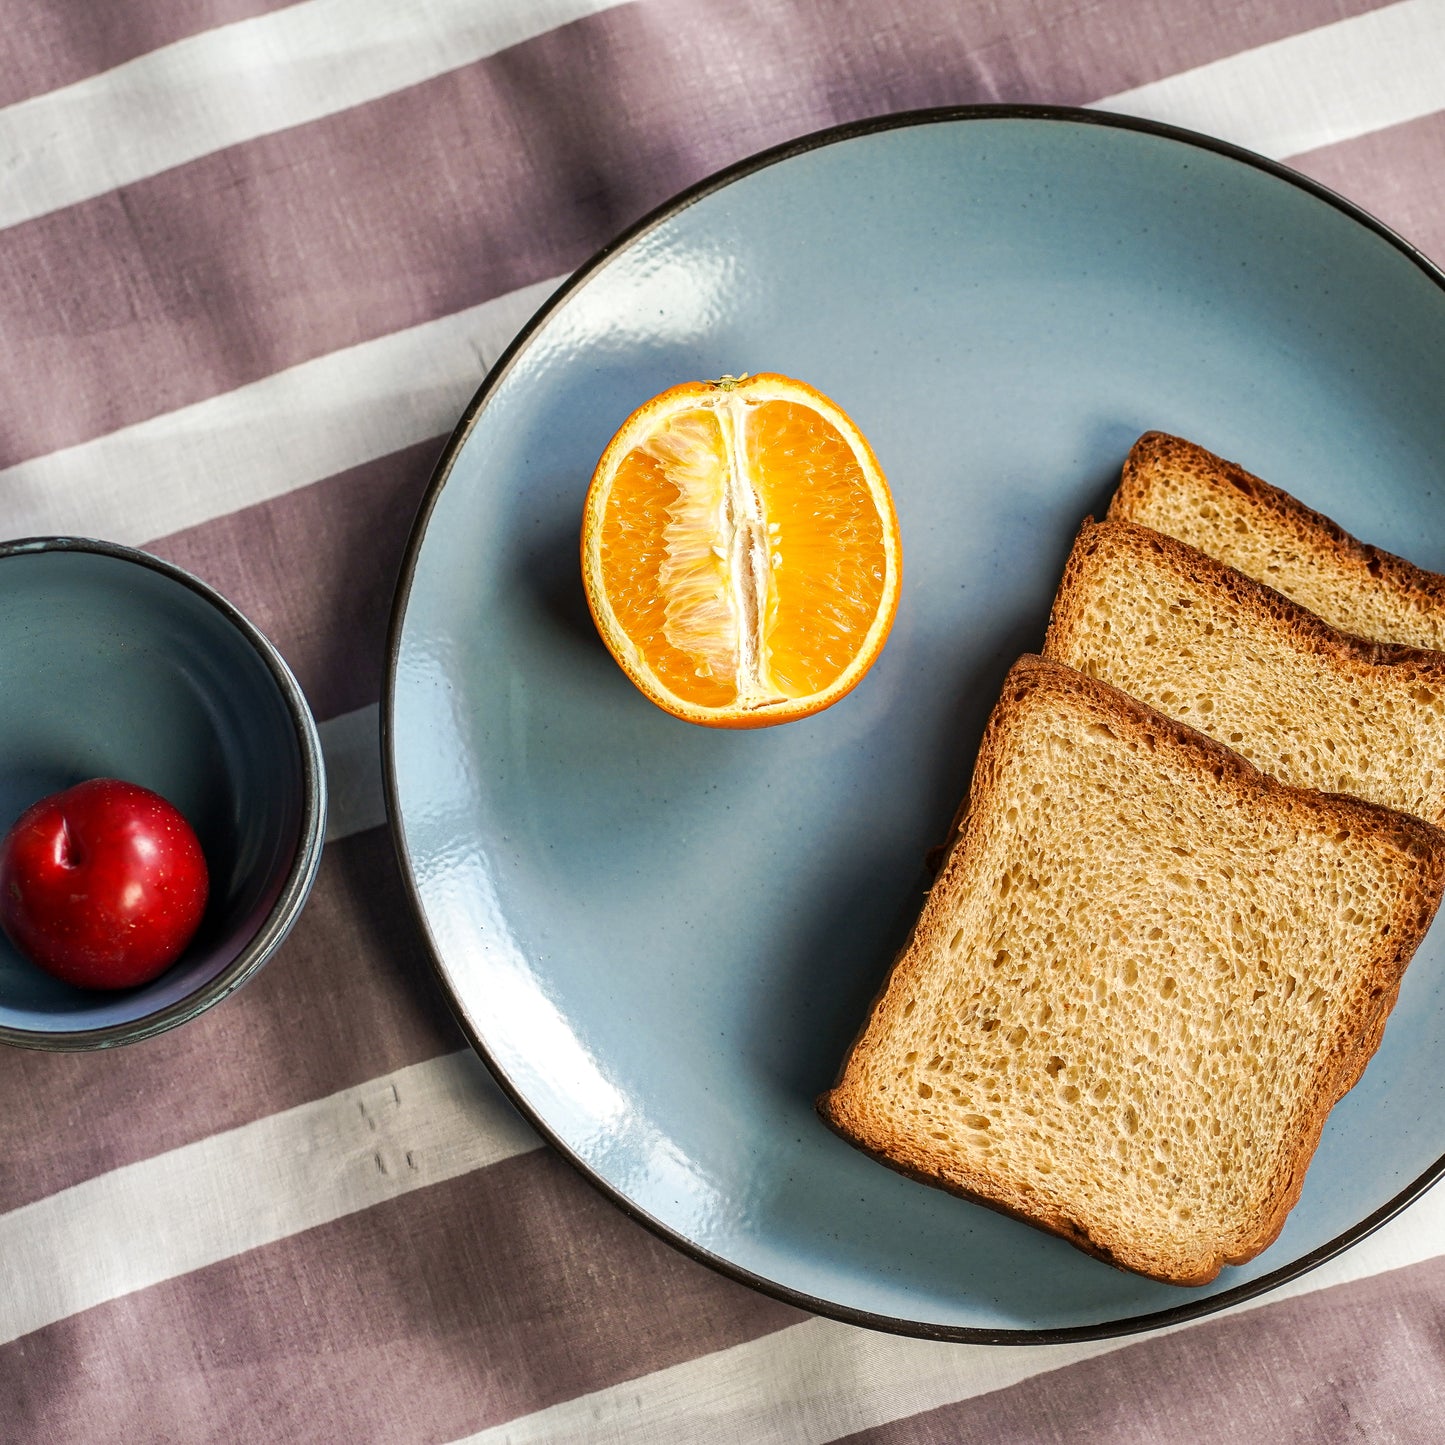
(1158, 460)
(846, 1107)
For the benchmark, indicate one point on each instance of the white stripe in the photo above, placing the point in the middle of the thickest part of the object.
(263, 440)
(208, 1201)
(820, 1380)
(317, 58)
(352, 406)
(253, 78)
(1314, 89)
(351, 745)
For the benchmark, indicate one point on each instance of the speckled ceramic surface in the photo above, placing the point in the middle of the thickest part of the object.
(116, 664)
(663, 937)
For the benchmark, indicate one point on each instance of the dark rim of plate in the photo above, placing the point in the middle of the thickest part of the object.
(1189, 1309)
(299, 878)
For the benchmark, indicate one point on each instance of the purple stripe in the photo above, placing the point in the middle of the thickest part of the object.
(350, 996)
(315, 570)
(1396, 175)
(422, 203)
(1362, 1361)
(422, 1319)
(45, 44)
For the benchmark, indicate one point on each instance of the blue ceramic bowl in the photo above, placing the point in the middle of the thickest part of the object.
(116, 664)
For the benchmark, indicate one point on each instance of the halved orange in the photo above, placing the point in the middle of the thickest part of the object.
(740, 551)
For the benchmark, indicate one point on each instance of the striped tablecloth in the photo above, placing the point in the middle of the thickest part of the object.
(254, 258)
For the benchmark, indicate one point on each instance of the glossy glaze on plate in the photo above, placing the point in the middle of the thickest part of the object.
(116, 664)
(662, 937)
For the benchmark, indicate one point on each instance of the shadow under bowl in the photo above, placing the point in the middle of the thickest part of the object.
(114, 663)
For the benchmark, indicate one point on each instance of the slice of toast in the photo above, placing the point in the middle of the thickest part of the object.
(1143, 977)
(1177, 487)
(1232, 657)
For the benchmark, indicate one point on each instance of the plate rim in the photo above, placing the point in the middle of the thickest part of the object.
(1187, 1310)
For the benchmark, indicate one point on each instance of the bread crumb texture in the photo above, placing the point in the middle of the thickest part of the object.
(1142, 978)
(1199, 641)
(1174, 486)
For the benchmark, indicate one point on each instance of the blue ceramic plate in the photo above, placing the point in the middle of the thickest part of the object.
(662, 937)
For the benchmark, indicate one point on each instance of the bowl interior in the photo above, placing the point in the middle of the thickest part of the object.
(111, 668)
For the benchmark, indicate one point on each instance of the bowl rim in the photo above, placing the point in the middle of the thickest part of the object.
(1189, 1309)
(302, 872)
